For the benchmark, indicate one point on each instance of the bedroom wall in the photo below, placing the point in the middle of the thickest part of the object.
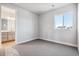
(48, 31)
(78, 24)
(26, 24)
(0, 25)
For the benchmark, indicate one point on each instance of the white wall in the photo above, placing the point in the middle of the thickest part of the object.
(48, 31)
(0, 26)
(26, 24)
(78, 25)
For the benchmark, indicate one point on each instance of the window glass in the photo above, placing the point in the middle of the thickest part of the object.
(64, 21)
(58, 20)
(68, 19)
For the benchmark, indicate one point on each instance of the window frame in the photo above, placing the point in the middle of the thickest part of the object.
(62, 13)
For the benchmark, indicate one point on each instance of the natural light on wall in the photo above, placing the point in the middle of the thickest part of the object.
(64, 20)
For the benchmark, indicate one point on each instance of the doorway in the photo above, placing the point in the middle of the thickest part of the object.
(8, 20)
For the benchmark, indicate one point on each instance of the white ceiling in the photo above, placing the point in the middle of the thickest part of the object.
(40, 7)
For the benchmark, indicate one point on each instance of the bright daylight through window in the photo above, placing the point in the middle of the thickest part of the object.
(64, 20)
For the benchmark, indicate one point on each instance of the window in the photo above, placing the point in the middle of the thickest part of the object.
(64, 20)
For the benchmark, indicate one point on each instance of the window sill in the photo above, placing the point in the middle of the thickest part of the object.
(65, 29)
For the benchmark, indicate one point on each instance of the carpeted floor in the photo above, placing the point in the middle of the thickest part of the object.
(39, 48)
(45, 48)
(2, 51)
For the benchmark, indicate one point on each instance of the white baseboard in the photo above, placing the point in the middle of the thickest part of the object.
(68, 44)
(26, 41)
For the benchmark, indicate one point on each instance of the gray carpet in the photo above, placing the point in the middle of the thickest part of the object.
(45, 48)
(2, 51)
